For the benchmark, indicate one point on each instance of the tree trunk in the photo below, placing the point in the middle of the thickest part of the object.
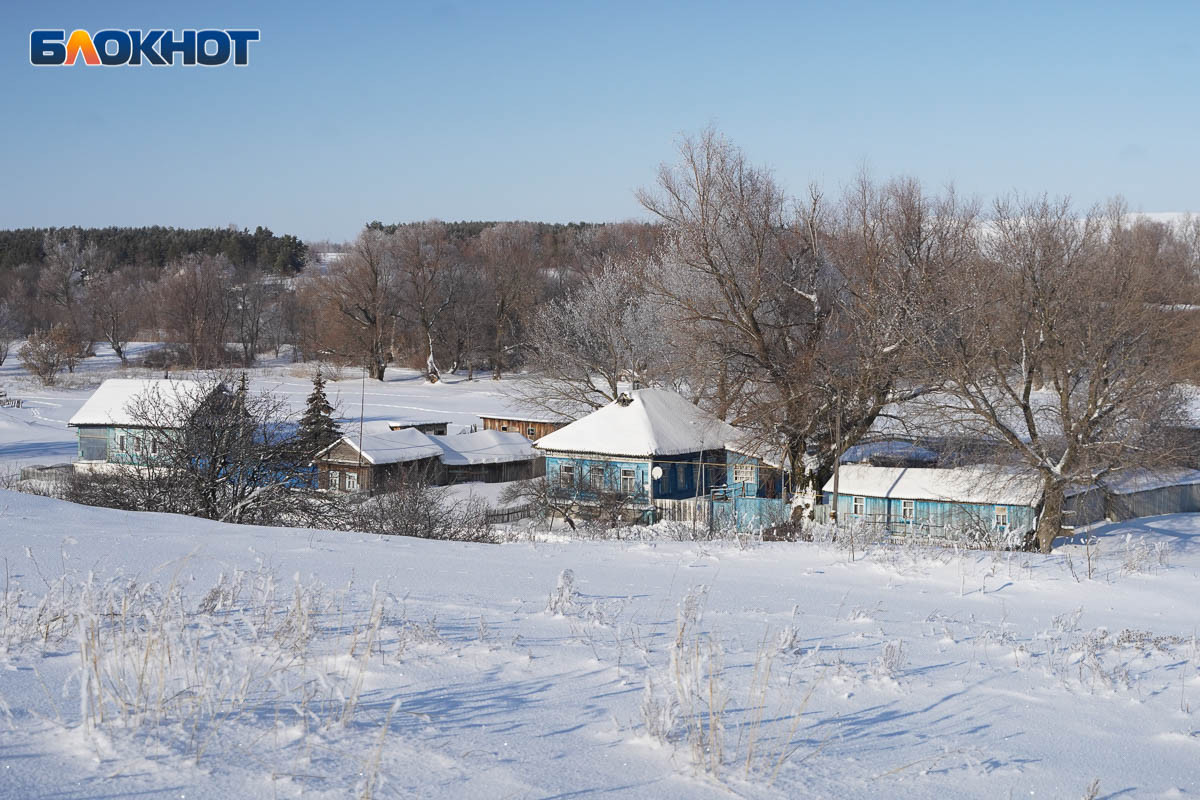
(1050, 520)
(497, 354)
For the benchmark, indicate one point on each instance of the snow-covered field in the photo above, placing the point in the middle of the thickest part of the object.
(158, 656)
(146, 655)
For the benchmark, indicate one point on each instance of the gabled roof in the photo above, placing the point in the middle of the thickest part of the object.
(389, 447)
(654, 422)
(484, 447)
(981, 483)
(116, 402)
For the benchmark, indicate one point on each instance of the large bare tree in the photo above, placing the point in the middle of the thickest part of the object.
(1061, 349)
(356, 303)
(799, 316)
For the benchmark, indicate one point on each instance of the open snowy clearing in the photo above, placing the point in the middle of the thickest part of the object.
(151, 655)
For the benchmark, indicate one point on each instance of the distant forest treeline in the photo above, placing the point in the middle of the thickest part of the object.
(156, 246)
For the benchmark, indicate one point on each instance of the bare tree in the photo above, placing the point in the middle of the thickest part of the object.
(251, 304)
(1061, 350)
(509, 256)
(117, 303)
(8, 330)
(583, 346)
(62, 284)
(195, 307)
(45, 353)
(425, 261)
(357, 303)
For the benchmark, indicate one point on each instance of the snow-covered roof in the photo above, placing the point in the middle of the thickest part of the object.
(484, 447)
(116, 402)
(397, 424)
(390, 447)
(981, 483)
(1143, 480)
(890, 448)
(655, 422)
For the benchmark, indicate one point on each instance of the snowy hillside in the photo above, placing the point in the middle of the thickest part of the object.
(153, 656)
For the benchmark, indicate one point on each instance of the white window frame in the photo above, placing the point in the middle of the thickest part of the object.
(121, 443)
(908, 510)
(530, 432)
(628, 481)
(351, 481)
(745, 473)
(1001, 519)
(566, 475)
(335, 480)
(858, 506)
(596, 477)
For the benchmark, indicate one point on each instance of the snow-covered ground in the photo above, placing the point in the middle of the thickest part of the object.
(157, 656)
(149, 655)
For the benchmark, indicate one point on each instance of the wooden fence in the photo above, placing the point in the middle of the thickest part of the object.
(695, 511)
(502, 515)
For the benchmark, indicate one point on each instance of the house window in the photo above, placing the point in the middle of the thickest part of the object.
(531, 431)
(628, 482)
(503, 427)
(351, 481)
(1002, 518)
(744, 473)
(596, 477)
(154, 447)
(93, 446)
(859, 506)
(566, 475)
(334, 480)
(908, 510)
(121, 444)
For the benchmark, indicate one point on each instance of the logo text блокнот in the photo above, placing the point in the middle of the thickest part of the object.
(210, 47)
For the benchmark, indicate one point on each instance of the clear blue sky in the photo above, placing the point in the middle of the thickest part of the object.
(557, 111)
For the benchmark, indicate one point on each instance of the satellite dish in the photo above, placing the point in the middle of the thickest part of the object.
(656, 473)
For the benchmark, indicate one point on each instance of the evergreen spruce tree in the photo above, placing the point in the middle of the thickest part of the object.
(318, 429)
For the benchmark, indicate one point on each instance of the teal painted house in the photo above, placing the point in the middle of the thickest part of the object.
(649, 444)
(953, 503)
(124, 420)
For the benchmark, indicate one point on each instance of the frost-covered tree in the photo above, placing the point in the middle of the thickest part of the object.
(605, 332)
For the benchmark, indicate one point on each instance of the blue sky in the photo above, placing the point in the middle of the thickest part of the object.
(350, 112)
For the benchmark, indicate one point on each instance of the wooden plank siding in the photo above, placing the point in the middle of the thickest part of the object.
(530, 429)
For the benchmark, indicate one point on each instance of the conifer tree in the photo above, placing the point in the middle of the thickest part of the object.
(318, 429)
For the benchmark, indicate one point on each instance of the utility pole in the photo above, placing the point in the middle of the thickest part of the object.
(837, 454)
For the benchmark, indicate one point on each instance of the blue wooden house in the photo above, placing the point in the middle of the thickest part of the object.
(649, 444)
(977, 501)
(123, 422)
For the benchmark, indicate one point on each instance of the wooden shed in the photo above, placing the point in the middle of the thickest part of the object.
(344, 466)
(488, 456)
